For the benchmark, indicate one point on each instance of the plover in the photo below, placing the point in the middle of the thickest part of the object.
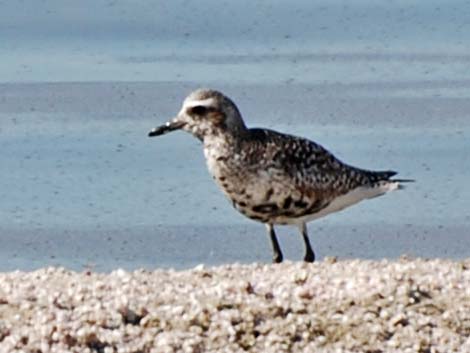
(271, 177)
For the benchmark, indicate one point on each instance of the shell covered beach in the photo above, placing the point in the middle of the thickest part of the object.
(405, 305)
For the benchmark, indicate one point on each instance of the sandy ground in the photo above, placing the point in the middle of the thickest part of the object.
(330, 306)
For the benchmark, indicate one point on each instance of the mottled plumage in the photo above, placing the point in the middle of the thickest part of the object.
(272, 177)
(284, 177)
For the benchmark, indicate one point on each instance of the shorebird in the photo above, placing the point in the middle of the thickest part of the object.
(271, 177)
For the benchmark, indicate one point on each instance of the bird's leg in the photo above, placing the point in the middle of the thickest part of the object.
(309, 254)
(277, 253)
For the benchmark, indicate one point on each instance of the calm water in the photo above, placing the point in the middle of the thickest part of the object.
(82, 185)
(90, 189)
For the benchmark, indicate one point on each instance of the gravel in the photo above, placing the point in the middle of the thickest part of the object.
(405, 305)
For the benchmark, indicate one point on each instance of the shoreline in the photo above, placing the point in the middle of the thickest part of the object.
(405, 305)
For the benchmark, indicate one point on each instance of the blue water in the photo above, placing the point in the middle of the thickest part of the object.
(84, 186)
(250, 42)
(383, 87)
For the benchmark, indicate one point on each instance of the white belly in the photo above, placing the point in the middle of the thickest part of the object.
(349, 199)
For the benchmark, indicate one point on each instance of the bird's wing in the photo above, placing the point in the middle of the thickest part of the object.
(312, 176)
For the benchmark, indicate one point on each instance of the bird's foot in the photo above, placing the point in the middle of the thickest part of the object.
(309, 256)
(277, 258)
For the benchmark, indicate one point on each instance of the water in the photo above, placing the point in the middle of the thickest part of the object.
(82, 185)
(88, 188)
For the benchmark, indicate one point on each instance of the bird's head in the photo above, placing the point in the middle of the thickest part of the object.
(205, 113)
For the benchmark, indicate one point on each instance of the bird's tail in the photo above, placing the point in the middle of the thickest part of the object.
(385, 178)
(401, 182)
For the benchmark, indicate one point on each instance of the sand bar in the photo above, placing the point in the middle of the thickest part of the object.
(407, 305)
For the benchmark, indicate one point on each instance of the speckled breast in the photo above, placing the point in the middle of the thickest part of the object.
(254, 191)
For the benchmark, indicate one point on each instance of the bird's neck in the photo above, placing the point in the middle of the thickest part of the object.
(221, 142)
(224, 138)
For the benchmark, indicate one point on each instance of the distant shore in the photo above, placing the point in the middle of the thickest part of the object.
(407, 305)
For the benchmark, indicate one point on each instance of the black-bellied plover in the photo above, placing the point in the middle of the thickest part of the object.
(271, 177)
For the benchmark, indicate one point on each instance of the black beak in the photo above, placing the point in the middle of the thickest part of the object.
(168, 127)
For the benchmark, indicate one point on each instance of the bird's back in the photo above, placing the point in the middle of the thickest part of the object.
(304, 161)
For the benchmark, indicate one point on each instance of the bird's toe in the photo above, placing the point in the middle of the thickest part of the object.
(277, 258)
(309, 257)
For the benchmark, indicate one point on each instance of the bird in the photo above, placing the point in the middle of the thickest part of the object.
(272, 177)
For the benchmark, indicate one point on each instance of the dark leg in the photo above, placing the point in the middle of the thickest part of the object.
(309, 254)
(277, 253)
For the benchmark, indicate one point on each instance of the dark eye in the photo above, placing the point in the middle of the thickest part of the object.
(199, 110)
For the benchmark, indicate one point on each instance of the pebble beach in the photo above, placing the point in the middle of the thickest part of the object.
(404, 305)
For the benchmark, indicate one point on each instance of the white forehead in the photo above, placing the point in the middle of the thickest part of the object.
(189, 103)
